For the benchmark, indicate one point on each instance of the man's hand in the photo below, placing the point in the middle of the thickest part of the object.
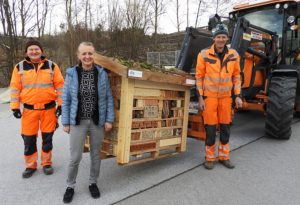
(201, 103)
(107, 126)
(58, 111)
(17, 113)
(66, 129)
(238, 102)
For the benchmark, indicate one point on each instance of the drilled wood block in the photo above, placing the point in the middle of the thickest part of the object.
(148, 134)
(166, 133)
(151, 112)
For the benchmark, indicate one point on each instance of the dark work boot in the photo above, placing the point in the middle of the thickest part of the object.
(28, 172)
(209, 164)
(95, 193)
(68, 196)
(227, 163)
(48, 170)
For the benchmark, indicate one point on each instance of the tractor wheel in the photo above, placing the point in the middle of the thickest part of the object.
(280, 107)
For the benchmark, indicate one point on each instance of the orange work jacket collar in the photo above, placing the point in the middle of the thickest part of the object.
(212, 50)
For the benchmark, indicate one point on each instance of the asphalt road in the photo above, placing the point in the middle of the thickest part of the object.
(267, 171)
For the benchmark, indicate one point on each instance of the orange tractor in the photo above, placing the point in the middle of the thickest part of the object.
(266, 35)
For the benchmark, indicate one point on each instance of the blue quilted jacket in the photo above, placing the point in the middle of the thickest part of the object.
(70, 97)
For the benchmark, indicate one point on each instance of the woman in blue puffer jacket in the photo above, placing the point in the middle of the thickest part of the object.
(87, 108)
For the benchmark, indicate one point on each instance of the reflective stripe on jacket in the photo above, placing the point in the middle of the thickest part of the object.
(36, 87)
(214, 79)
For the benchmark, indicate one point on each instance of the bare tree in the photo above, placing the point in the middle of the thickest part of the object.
(115, 19)
(187, 12)
(2, 13)
(8, 41)
(159, 8)
(42, 8)
(137, 13)
(198, 12)
(86, 12)
(70, 32)
(178, 22)
(26, 8)
(222, 6)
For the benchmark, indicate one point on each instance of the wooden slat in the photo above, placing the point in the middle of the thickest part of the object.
(147, 92)
(154, 119)
(124, 133)
(110, 64)
(158, 98)
(185, 120)
(158, 128)
(168, 142)
(164, 77)
(161, 85)
(150, 158)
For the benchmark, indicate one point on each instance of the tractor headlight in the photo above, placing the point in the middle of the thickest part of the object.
(277, 6)
(291, 19)
(286, 5)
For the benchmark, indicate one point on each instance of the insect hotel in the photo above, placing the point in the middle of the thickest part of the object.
(151, 113)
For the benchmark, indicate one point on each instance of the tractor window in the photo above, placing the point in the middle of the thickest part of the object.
(292, 44)
(269, 19)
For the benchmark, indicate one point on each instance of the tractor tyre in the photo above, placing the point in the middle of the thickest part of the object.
(280, 107)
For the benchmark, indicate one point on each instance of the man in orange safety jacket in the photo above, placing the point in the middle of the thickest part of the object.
(36, 83)
(217, 77)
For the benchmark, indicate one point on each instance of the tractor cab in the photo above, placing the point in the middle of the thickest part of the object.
(280, 18)
(266, 36)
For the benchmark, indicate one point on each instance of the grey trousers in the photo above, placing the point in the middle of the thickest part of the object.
(78, 134)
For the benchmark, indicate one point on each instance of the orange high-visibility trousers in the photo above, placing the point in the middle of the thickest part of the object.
(217, 111)
(224, 150)
(32, 120)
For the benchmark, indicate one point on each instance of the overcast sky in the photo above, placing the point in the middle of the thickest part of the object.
(167, 21)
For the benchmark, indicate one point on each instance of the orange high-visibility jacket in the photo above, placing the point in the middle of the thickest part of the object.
(214, 79)
(36, 87)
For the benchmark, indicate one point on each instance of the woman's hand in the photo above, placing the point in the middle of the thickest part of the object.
(66, 129)
(107, 126)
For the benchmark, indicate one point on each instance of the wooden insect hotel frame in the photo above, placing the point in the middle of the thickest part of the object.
(151, 113)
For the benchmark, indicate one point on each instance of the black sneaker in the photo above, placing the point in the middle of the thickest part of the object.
(68, 196)
(28, 172)
(48, 170)
(227, 163)
(95, 193)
